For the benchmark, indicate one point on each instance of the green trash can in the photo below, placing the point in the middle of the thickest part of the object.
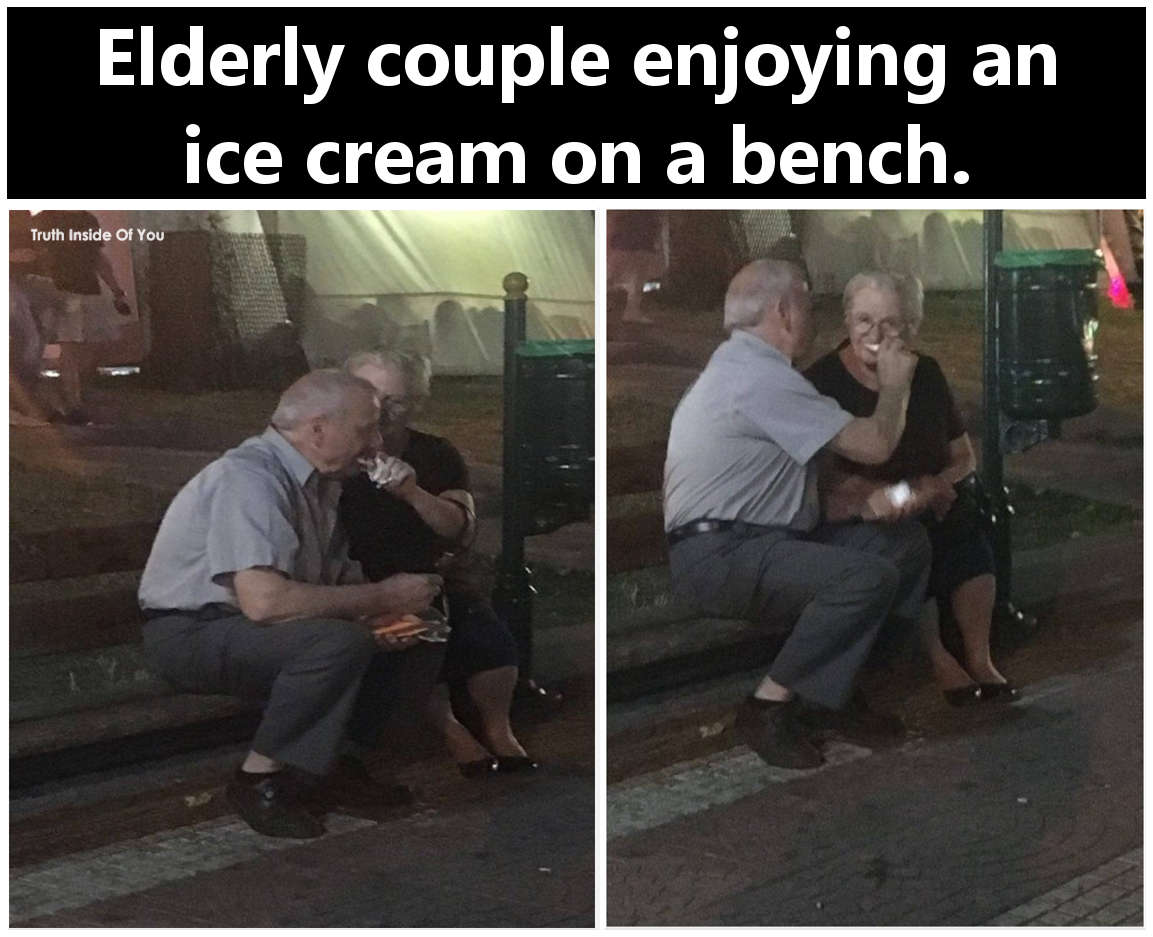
(555, 394)
(1047, 309)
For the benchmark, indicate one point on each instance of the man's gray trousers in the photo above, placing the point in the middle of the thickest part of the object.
(838, 584)
(322, 680)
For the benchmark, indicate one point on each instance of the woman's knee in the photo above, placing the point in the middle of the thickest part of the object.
(482, 641)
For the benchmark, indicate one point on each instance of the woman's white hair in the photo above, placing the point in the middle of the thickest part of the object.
(905, 287)
(327, 393)
(415, 368)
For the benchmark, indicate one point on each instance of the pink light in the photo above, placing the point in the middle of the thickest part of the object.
(1119, 293)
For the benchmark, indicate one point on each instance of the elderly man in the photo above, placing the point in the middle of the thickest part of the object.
(249, 592)
(743, 518)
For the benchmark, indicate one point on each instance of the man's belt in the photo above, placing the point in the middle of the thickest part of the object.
(210, 612)
(692, 528)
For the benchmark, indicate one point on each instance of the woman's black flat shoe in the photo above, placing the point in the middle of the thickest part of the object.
(999, 693)
(515, 764)
(964, 695)
(481, 768)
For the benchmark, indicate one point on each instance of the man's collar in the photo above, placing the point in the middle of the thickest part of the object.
(289, 455)
(758, 344)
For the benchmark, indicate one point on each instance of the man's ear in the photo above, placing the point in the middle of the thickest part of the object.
(316, 427)
(785, 314)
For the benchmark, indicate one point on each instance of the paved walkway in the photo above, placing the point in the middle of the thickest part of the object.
(1111, 894)
(522, 859)
(158, 847)
(1007, 814)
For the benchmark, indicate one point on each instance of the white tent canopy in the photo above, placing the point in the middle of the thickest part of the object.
(427, 280)
(944, 248)
(436, 276)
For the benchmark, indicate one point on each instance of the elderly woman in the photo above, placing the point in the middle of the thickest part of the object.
(413, 523)
(919, 480)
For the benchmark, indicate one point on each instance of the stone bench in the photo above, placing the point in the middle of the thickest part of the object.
(82, 695)
(655, 641)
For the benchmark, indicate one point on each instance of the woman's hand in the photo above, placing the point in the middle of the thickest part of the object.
(880, 506)
(935, 494)
(402, 482)
(393, 475)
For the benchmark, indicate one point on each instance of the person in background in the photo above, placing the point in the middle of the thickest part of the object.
(422, 520)
(636, 255)
(25, 345)
(82, 317)
(933, 456)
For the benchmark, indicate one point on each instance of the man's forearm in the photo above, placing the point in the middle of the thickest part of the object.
(889, 415)
(846, 497)
(266, 596)
(303, 600)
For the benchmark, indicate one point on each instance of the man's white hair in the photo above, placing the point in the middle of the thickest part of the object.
(416, 369)
(329, 393)
(906, 289)
(756, 287)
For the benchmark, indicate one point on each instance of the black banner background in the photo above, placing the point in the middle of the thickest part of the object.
(1083, 138)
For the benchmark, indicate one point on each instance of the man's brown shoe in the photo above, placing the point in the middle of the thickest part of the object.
(272, 804)
(856, 722)
(768, 728)
(350, 784)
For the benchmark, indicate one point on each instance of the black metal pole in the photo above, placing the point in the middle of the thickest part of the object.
(513, 594)
(992, 458)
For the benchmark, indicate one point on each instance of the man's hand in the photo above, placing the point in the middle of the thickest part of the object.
(409, 592)
(895, 364)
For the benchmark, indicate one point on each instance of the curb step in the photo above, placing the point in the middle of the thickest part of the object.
(66, 554)
(74, 614)
(689, 637)
(670, 726)
(51, 734)
(52, 684)
(125, 732)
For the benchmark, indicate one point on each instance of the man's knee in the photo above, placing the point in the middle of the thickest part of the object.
(911, 550)
(339, 643)
(869, 581)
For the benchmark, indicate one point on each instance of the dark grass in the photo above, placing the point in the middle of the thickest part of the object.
(1045, 518)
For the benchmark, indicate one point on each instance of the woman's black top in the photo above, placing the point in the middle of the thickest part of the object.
(385, 534)
(931, 422)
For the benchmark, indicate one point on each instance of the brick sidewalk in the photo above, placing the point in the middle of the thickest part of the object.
(1110, 894)
(961, 826)
(156, 846)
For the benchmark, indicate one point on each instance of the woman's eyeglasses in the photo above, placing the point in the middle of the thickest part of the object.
(396, 403)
